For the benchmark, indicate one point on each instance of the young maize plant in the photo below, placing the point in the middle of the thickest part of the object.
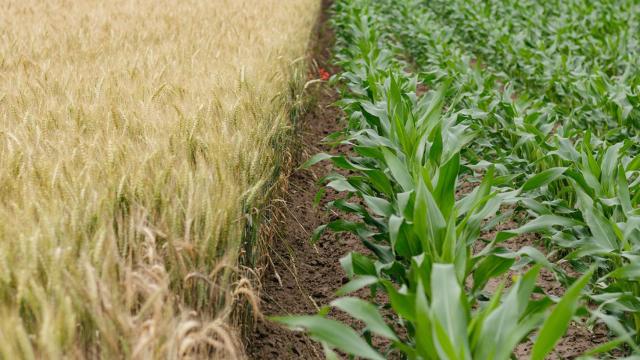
(602, 229)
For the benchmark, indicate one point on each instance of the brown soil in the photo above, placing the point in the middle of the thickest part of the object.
(303, 276)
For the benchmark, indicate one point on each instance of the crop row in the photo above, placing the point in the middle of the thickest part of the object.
(579, 59)
(417, 142)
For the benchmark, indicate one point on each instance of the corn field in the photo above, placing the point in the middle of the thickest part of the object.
(489, 143)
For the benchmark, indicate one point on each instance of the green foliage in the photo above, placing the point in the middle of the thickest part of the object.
(548, 133)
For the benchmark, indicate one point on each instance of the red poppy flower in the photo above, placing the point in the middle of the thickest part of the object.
(324, 74)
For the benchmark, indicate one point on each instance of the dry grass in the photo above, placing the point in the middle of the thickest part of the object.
(134, 137)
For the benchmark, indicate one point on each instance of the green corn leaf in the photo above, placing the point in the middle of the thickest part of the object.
(477, 321)
(328, 353)
(318, 197)
(333, 333)
(450, 242)
(546, 223)
(429, 224)
(423, 323)
(606, 347)
(341, 185)
(317, 233)
(623, 191)
(380, 182)
(384, 253)
(609, 164)
(444, 344)
(435, 151)
(590, 163)
(558, 321)
(603, 233)
(395, 222)
(444, 192)
(358, 264)
(627, 272)
(378, 205)
(398, 170)
(535, 255)
(634, 164)
(447, 310)
(367, 313)
(615, 325)
(580, 180)
(490, 267)
(543, 178)
(405, 202)
(342, 163)
(346, 206)
(402, 301)
(315, 159)
(497, 340)
(356, 284)
(420, 270)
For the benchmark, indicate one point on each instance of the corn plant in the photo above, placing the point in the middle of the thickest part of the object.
(440, 321)
(603, 228)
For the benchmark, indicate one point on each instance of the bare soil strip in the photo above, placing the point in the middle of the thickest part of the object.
(303, 276)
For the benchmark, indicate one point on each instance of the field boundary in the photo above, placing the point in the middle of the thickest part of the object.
(298, 276)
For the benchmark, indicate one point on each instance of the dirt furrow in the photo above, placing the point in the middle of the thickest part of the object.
(302, 276)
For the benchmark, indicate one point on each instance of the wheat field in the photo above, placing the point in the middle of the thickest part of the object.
(135, 137)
